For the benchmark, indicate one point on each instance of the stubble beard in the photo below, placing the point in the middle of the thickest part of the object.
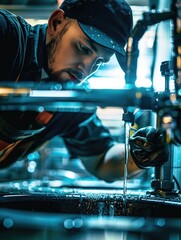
(52, 47)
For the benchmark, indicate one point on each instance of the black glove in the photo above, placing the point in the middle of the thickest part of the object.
(147, 148)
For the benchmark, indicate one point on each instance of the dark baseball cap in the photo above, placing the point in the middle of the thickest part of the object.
(106, 22)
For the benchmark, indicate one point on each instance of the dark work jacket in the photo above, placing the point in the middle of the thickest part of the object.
(22, 56)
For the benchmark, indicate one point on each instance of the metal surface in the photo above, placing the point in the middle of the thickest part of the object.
(83, 214)
(100, 202)
(74, 100)
(80, 214)
(77, 227)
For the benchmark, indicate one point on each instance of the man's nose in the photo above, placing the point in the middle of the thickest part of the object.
(89, 65)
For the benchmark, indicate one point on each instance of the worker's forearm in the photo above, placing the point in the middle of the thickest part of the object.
(110, 166)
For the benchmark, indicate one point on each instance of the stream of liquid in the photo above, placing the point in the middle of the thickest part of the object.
(127, 133)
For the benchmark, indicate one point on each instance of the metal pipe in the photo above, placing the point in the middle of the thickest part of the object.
(149, 18)
(176, 6)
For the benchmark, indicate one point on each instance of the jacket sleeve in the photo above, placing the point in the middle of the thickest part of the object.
(89, 138)
(83, 134)
(12, 45)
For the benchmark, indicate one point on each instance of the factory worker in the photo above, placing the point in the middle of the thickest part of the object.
(80, 36)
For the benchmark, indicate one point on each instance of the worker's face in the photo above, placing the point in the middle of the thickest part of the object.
(72, 56)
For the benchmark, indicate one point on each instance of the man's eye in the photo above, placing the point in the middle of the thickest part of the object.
(84, 49)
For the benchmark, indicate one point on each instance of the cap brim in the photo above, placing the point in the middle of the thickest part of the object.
(101, 38)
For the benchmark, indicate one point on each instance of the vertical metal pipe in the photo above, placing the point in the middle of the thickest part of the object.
(176, 6)
(168, 170)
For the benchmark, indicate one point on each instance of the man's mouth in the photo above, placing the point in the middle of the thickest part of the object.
(67, 76)
(75, 77)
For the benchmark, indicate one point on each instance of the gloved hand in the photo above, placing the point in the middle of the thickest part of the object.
(147, 148)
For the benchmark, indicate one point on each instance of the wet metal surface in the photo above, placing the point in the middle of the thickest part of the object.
(51, 210)
(101, 202)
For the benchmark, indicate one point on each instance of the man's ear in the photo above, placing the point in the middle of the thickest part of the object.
(56, 18)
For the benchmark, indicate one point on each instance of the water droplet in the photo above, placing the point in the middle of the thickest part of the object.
(8, 223)
(160, 222)
(68, 223)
